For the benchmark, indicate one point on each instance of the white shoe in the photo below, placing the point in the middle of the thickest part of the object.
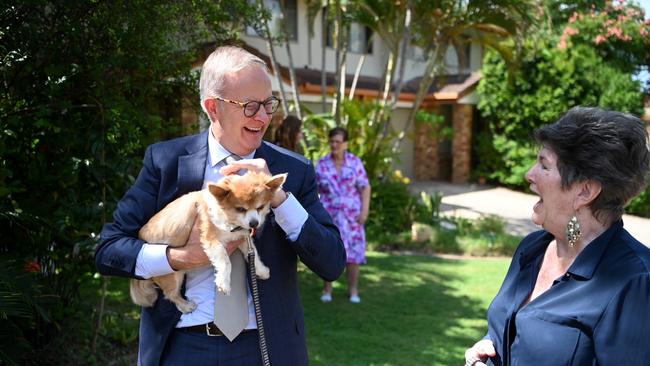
(355, 299)
(326, 297)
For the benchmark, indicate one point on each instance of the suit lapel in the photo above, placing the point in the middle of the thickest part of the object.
(191, 167)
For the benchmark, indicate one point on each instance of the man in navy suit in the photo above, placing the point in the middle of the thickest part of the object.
(236, 95)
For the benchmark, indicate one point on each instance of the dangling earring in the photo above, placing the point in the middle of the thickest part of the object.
(573, 231)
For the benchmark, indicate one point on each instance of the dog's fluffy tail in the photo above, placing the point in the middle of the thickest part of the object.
(143, 292)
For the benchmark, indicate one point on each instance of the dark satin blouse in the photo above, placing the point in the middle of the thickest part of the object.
(597, 313)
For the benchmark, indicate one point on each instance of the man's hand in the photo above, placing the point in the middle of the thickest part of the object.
(479, 353)
(255, 165)
(192, 255)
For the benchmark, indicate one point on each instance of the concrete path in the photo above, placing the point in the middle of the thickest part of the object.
(473, 200)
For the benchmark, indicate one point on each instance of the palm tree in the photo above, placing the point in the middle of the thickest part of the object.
(265, 29)
(391, 21)
(440, 24)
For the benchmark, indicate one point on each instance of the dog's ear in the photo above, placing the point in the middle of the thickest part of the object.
(219, 190)
(275, 182)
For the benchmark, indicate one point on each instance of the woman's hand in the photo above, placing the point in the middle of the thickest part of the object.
(479, 353)
(361, 219)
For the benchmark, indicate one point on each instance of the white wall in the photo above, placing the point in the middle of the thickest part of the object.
(305, 50)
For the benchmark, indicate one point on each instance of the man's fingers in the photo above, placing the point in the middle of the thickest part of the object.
(256, 165)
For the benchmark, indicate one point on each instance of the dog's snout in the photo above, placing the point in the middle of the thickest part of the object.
(253, 223)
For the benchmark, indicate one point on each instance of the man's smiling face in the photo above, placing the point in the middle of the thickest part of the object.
(234, 131)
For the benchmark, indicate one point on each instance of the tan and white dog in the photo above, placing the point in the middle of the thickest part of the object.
(227, 210)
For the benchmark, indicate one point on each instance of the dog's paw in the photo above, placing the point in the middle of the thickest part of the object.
(186, 307)
(263, 272)
(225, 290)
(223, 287)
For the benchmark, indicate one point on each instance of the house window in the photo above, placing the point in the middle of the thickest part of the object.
(415, 53)
(290, 12)
(467, 58)
(359, 38)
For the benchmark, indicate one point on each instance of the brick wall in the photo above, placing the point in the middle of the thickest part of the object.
(462, 143)
(428, 164)
(426, 161)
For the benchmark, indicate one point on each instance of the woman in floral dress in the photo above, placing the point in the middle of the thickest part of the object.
(345, 193)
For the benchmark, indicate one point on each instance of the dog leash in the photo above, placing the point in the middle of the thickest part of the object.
(264, 350)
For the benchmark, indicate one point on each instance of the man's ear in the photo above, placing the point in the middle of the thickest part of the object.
(588, 191)
(220, 190)
(211, 107)
(275, 182)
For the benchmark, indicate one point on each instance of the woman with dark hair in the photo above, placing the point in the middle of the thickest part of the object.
(289, 133)
(345, 193)
(578, 291)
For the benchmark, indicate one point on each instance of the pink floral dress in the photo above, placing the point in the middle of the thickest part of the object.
(341, 197)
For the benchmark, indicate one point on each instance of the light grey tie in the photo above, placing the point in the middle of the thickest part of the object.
(231, 312)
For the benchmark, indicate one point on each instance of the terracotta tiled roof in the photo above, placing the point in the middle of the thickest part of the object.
(444, 88)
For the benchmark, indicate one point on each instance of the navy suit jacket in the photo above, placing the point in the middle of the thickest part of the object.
(173, 168)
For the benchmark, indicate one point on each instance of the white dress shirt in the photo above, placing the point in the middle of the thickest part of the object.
(200, 287)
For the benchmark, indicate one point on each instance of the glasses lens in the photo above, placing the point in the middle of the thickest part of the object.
(251, 108)
(271, 105)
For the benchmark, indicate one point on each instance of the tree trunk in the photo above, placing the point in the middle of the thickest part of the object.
(436, 57)
(337, 46)
(356, 76)
(401, 58)
(323, 70)
(292, 72)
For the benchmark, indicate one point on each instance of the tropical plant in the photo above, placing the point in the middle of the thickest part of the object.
(366, 139)
(439, 25)
(391, 22)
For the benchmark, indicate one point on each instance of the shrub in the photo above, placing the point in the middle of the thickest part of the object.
(640, 205)
(482, 245)
(86, 86)
(549, 82)
(366, 140)
(392, 208)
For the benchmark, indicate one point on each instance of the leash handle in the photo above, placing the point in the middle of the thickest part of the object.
(264, 350)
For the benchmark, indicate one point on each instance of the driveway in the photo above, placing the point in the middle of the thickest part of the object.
(473, 200)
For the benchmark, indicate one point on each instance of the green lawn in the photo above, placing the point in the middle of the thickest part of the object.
(415, 310)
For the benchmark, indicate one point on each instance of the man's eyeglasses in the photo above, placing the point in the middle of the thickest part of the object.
(250, 108)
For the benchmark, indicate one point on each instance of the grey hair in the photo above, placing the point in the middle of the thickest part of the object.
(605, 146)
(221, 62)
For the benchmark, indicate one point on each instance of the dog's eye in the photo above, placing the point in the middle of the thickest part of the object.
(240, 209)
(260, 208)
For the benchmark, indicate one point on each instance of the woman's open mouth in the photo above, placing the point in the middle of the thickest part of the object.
(538, 204)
